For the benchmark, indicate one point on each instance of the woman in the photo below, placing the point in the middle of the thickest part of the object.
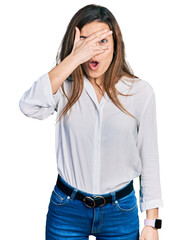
(108, 138)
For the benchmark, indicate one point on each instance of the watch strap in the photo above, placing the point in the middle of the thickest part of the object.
(149, 222)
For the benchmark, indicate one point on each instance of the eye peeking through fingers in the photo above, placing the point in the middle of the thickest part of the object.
(103, 40)
(83, 37)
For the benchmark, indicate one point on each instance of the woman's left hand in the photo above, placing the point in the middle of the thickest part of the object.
(149, 233)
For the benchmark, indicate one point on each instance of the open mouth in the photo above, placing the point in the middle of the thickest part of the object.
(94, 65)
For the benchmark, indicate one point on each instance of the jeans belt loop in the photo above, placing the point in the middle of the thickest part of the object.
(113, 197)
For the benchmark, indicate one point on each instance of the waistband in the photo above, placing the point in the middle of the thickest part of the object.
(93, 200)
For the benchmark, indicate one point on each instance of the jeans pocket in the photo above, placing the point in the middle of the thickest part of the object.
(127, 203)
(58, 198)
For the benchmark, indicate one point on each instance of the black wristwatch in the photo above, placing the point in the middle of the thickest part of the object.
(156, 223)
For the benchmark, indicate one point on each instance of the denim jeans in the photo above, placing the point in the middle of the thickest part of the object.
(70, 218)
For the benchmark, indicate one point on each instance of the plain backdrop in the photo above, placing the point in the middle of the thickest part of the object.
(31, 32)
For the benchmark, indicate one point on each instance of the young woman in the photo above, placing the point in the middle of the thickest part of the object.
(106, 134)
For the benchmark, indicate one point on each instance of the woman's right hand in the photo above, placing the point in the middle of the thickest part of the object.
(85, 49)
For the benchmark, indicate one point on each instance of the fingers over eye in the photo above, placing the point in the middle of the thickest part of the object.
(96, 34)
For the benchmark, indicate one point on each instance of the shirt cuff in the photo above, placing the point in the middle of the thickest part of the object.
(151, 204)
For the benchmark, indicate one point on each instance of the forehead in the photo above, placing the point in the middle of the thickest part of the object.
(92, 27)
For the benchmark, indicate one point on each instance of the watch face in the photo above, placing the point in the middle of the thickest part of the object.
(158, 223)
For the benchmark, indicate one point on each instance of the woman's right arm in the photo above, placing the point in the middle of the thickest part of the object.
(42, 98)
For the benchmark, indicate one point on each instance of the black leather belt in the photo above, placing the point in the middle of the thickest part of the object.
(96, 201)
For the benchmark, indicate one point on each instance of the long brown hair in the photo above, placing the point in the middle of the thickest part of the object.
(118, 67)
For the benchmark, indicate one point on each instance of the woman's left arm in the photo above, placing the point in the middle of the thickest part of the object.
(147, 143)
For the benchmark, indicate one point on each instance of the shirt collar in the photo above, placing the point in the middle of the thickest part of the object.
(91, 91)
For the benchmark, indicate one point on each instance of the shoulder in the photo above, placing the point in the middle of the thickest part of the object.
(140, 92)
(137, 87)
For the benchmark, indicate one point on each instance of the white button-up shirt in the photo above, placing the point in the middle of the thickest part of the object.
(99, 148)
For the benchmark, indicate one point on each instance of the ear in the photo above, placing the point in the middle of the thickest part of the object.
(77, 35)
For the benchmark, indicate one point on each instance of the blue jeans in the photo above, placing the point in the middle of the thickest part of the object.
(70, 218)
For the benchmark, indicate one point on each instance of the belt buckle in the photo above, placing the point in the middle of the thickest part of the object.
(84, 200)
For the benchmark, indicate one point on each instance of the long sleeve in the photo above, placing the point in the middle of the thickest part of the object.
(39, 102)
(147, 143)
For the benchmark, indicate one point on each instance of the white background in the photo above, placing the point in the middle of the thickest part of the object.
(31, 32)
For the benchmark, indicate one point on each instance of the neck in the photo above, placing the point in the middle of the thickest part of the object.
(98, 80)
